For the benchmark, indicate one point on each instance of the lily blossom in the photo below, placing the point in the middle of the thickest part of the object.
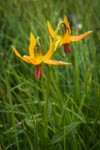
(36, 56)
(66, 36)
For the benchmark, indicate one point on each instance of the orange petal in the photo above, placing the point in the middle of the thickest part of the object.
(52, 32)
(66, 39)
(49, 53)
(17, 54)
(32, 60)
(67, 24)
(39, 60)
(32, 45)
(79, 37)
(55, 62)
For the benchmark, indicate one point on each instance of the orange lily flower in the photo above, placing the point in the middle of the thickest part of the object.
(36, 56)
(66, 36)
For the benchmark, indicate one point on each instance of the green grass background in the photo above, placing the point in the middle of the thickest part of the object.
(62, 110)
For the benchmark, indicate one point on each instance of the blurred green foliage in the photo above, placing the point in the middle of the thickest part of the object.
(73, 92)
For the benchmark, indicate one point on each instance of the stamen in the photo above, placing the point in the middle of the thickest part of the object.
(64, 29)
(38, 48)
(67, 48)
(38, 71)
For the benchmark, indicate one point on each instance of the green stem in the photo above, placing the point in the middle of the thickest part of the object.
(46, 111)
(56, 33)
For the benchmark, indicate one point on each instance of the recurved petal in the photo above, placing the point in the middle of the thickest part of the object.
(32, 60)
(32, 44)
(49, 52)
(65, 39)
(79, 37)
(17, 54)
(29, 59)
(67, 24)
(52, 32)
(55, 62)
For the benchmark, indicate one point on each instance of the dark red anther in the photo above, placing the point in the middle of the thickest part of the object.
(67, 48)
(38, 71)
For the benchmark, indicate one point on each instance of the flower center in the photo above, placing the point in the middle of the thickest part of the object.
(38, 48)
(64, 29)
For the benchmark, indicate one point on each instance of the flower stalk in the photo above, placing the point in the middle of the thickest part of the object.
(46, 108)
